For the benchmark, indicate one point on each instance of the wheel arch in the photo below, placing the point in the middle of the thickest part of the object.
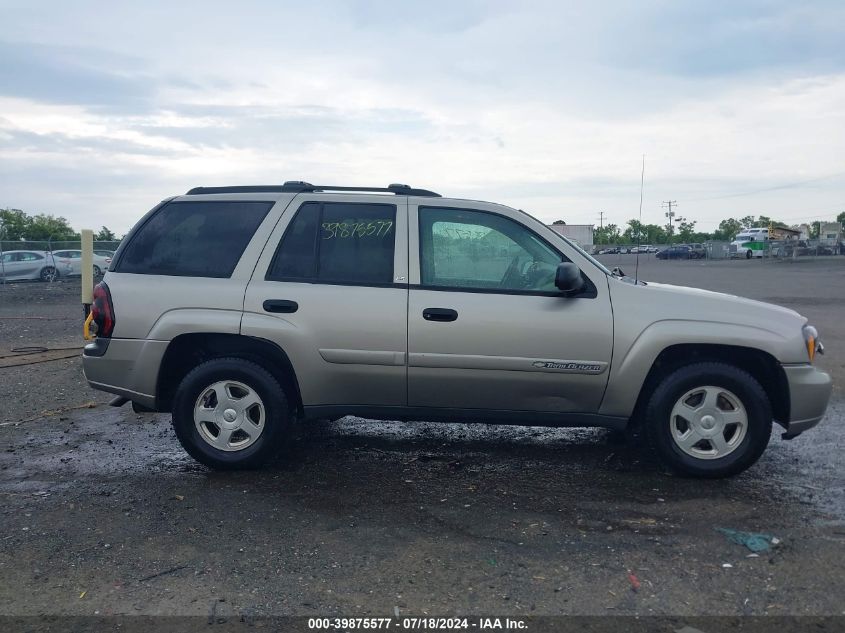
(758, 363)
(186, 351)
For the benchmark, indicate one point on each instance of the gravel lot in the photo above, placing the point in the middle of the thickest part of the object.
(103, 512)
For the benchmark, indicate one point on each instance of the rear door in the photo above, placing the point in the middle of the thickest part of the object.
(487, 329)
(30, 264)
(331, 290)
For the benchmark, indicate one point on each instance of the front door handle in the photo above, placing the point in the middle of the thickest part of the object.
(439, 314)
(280, 305)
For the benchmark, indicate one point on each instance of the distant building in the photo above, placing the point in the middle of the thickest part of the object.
(783, 233)
(830, 233)
(804, 230)
(580, 233)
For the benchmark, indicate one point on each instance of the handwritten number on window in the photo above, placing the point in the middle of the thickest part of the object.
(341, 230)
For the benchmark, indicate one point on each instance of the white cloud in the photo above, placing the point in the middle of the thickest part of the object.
(545, 106)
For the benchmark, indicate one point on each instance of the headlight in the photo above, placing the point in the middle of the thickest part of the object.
(812, 342)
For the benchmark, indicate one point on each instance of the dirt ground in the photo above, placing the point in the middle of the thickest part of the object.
(103, 513)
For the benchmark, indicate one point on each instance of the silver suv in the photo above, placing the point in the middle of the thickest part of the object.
(243, 309)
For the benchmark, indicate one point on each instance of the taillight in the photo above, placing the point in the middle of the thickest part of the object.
(102, 311)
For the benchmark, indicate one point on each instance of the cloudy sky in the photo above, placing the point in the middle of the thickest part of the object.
(739, 107)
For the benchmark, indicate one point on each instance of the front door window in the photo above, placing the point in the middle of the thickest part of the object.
(484, 251)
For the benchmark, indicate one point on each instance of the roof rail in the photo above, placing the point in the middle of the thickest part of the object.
(298, 186)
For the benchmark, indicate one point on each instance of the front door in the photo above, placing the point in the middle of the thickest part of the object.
(13, 267)
(487, 328)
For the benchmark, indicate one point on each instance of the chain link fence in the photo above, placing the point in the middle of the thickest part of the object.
(707, 250)
(786, 250)
(54, 245)
(50, 260)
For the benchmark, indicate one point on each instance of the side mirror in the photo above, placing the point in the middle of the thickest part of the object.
(568, 277)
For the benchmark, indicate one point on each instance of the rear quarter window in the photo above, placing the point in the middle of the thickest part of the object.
(193, 239)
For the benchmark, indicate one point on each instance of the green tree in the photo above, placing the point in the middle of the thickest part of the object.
(105, 235)
(765, 221)
(608, 234)
(686, 230)
(45, 227)
(728, 229)
(635, 232)
(15, 224)
(19, 225)
(748, 221)
(841, 218)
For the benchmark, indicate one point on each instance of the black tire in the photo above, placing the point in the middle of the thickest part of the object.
(49, 273)
(97, 272)
(277, 424)
(748, 254)
(743, 385)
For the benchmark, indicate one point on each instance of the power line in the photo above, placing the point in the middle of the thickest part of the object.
(790, 185)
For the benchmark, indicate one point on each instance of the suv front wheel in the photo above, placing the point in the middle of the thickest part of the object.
(230, 413)
(709, 419)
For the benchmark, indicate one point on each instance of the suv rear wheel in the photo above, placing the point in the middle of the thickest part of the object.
(709, 420)
(230, 413)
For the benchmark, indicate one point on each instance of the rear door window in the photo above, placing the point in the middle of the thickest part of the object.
(337, 242)
(193, 239)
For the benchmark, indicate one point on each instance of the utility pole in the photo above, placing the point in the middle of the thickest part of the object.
(671, 216)
(601, 225)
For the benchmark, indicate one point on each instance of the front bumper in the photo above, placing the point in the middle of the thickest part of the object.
(809, 393)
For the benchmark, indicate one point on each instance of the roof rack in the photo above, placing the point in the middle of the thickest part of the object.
(298, 186)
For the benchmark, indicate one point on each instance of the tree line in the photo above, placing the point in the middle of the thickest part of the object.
(16, 225)
(638, 232)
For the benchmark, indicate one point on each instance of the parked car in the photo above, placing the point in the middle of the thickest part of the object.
(22, 265)
(643, 248)
(243, 310)
(609, 251)
(697, 251)
(675, 252)
(73, 259)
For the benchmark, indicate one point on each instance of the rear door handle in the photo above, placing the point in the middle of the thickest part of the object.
(280, 305)
(439, 314)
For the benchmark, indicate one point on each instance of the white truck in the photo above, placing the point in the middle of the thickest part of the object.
(752, 242)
